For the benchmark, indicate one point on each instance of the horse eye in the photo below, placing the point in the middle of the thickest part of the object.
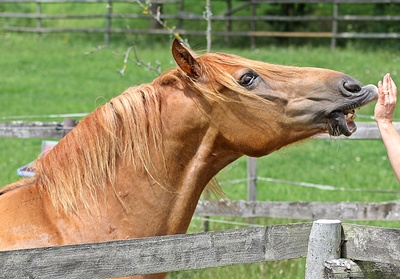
(248, 79)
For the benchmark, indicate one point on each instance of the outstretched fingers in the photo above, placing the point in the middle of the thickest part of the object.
(392, 90)
(387, 100)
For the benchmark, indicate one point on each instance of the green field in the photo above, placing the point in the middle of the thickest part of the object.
(52, 75)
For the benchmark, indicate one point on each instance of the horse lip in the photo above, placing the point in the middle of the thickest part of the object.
(338, 124)
(366, 95)
(372, 93)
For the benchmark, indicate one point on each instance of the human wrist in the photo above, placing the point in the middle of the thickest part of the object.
(384, 123)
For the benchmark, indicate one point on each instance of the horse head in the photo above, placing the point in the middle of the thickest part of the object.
(266, 106)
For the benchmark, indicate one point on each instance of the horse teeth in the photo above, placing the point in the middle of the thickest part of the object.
(351, 115)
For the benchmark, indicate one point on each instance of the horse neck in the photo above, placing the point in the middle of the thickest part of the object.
(138, 196)
(168, 191)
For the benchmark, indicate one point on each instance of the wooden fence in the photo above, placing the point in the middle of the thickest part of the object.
(187, 21)
(375, 253)
(356, 211)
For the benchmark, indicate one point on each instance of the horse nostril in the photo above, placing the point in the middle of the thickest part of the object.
(352, 87)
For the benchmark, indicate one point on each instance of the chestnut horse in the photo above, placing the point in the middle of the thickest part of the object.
(136, 166)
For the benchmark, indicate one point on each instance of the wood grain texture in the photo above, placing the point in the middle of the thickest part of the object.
(374, 244)
(323, 245)
(345, 268)
(158, 254)
(301, 210)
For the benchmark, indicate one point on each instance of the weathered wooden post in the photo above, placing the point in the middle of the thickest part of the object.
(156, 9)
(39, 18)
(253, 23)
(107, 30)
(207, 16)
(323, 245)
(334, 24)
(252, 179)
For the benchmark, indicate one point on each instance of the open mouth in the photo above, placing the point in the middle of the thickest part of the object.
(342, 123)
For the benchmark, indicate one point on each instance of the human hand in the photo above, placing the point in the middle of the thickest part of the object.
(387, 100)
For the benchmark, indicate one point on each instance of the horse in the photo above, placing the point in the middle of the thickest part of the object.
(137, 165)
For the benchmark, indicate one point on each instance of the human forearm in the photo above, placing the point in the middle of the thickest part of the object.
(384, 110)
(391, 139)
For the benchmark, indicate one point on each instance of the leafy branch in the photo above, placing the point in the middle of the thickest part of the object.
(156, 69)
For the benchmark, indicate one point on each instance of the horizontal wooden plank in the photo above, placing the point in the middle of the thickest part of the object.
(51, 16)
(19, 129)
(325, 1)
(158, 254)
(301, 210)
(56, 30)
(372, 244)
(368, 35)
(181, 15)
(86, 1)
(288, 34)
(203, 33)
(379, 270)
(345, 268)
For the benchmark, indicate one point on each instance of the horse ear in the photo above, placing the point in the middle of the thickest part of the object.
(185, 59)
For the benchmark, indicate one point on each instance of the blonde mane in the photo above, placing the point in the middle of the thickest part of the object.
(85, 161)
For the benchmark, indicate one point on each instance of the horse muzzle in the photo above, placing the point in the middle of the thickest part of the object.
(341, 120)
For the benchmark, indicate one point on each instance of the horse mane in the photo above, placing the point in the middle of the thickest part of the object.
(85, 161)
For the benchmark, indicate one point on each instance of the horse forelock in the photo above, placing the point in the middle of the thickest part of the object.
(85, 161)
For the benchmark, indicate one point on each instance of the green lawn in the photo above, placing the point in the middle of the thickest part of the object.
(52, 75)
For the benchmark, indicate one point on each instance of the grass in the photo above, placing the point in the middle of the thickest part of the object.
(52, 74)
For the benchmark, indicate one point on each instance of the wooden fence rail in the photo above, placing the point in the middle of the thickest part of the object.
(158, 254)
(374, 252)
(182, 17)
(19, 129)
(360, 211)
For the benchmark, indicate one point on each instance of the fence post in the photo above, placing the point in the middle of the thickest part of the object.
(107, 31)
(334, 24)
(39, 19)
(251, 179)
(253, 24)
(207, 16)
(228, 22)
(323, 245)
